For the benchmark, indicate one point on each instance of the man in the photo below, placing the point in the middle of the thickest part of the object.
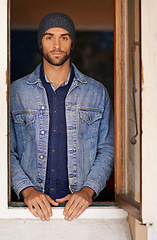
(62, 139)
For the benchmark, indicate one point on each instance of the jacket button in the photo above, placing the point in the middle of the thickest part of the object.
(42, 132)
(39, 181)
(43, 107)
(41, 156)
(52, 189)
(53, 170)
(53, 150)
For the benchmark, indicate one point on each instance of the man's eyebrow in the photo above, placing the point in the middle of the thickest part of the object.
(65, 34)
(52, 34)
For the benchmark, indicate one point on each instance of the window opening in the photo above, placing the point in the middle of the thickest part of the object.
(93, 48)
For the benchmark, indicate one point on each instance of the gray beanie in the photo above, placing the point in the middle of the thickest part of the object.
(54, 20)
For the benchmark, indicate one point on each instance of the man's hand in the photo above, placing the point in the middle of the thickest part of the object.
(77, 203)
(39, 204)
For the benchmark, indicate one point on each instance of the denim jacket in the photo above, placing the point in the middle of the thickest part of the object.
(90, 133)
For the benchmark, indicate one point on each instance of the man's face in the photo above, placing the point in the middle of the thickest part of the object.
(56, 46)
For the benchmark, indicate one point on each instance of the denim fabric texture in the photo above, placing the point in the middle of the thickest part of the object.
(90, 133)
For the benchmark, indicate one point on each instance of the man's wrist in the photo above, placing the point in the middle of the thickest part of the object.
(88, 190)
(27, 190)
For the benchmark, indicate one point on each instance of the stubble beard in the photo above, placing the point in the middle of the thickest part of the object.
(56, 61)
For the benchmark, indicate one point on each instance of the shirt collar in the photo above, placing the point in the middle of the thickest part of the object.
(62, 85)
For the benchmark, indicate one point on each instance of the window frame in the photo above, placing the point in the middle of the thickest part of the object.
(120, 73)
(92, 212)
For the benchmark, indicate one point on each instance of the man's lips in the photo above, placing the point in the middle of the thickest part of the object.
(56, 53)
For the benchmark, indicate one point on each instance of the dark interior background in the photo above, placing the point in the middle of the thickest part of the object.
(93, 54)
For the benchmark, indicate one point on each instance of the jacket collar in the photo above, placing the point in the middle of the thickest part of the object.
(78, 75)
(34, 77)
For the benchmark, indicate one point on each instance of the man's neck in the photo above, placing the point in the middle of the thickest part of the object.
(56, 74)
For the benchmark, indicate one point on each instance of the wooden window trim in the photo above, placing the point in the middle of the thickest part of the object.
(121, 199)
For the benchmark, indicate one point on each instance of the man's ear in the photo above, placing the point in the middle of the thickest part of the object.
(71, 47)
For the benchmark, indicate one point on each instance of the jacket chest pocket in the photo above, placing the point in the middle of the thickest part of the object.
(24, 118)
(89, 122)
(24, 124)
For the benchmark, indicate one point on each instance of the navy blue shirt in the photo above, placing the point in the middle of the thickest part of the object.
(57, 184)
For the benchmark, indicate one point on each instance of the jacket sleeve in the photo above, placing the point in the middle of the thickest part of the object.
(19, 180)
(104, 161)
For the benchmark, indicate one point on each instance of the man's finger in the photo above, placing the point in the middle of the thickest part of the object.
(81, 210)
(70, 208)
(48, 201)
(64, 199)
(33, 211)
(42, 209)
(78, 206)
(69, 204)
(54, 203)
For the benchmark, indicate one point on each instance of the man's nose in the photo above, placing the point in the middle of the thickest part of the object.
(56, 43)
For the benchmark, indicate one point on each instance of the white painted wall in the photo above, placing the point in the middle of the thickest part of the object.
(3, 104)
(149, 111)
(149, 115)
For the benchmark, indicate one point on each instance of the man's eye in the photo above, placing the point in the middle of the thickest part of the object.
(48, 38)
(64, 38)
